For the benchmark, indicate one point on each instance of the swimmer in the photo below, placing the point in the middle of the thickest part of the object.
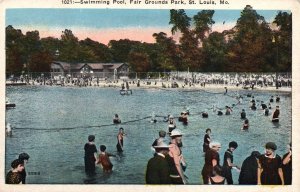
(275, 115)
(243, 114)
(172, 124)
(8, 130)
(269, 106)
(104, 160)
(277, 98)
(266, 112)
(253, 106)
(226, 90)
(220, 113)
(116, 120)
(245, 125)
(153, 119)
(228, 110)
(272, 99)
(263, 106)
(205, 115)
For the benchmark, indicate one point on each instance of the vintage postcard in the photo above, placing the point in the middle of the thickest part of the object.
(149, 95)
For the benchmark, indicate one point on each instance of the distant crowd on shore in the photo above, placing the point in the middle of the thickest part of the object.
(247, 81)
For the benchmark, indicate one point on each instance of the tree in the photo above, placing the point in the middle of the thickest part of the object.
(215, 48)
(249, 47)
(14, 49)
(139, 62)
(179, 20)
(69, 49)
(203, 22)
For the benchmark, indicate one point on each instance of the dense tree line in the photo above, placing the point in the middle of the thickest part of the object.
(250, 46)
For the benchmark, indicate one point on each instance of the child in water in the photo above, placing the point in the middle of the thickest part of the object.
(245, 125)
(104, 160)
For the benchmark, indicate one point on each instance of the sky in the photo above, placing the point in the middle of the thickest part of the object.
(103, 25)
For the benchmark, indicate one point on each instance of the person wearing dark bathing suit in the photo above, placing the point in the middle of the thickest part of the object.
(172, 123)
(243, 114)
(212, 159)
(277, 98)
(248, 174)
(287, 166)
(270, 167)
(24, 157)
(272, 99)
(206, 140)
(14, 176)
(228, 162)
(245, 125)
(116, 120)
(90, 155)
(120, 140)
(275, 115)
(217, 178)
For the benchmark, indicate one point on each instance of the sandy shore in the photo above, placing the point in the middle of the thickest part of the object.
(181, 86)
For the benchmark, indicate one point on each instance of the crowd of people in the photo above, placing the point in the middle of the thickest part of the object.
(172, 80)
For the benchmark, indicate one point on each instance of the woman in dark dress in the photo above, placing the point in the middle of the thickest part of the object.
(275, 115)
(14, 176)
(287, 166)
(212, 159)
(228, 162)
(217, 178)
(90, 155)
(206, 140)
(270, 167)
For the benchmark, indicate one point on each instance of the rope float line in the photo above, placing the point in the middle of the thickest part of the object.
(131, 121)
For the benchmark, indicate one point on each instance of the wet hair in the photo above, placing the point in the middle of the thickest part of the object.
(121, 128)
(271, 145)
(208, 129)
(116, 115)
(255, 154)
(102, 148)
(233, 144)
(162, 133)
(246, 121)
(217, 170)
(16, 163)
(91, 138)
(24, 156)
(243, 110)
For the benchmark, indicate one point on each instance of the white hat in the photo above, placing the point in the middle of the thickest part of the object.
(214, 144)
(161, 145)
(175, 133)
(171, 117)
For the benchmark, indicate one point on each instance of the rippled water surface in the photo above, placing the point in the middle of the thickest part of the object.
(57, 153)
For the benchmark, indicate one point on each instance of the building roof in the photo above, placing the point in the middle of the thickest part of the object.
(94, 66)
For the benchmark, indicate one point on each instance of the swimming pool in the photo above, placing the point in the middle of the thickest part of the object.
(56, 154)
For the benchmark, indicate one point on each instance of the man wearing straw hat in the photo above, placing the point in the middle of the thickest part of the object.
(158, 168)
(175, 159)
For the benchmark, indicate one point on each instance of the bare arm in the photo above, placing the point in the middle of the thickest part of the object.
(287, 159)
(259, 171)
(281, 175)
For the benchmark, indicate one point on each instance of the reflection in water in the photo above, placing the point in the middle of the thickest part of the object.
(58, 153)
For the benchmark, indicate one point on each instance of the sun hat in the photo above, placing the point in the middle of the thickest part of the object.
(161, 145)
(214, 144)
(171, 117)
(175, 133)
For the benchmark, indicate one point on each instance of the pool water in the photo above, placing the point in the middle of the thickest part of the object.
(43, 113)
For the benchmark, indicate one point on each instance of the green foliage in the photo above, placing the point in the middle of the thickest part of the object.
(249, 46)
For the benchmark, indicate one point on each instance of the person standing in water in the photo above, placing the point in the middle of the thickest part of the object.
(172, 123)
(287, 166)
(162, 135)
(243, 114)
(212, 159)
(275, 115)
(90, 155)
(207, 140)
(217, 178)
(24, 157)
(270, 167)
(175, 159)
(228, 162)
(120, 140)
(104, 160)
(158, 171)
(248, 174)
